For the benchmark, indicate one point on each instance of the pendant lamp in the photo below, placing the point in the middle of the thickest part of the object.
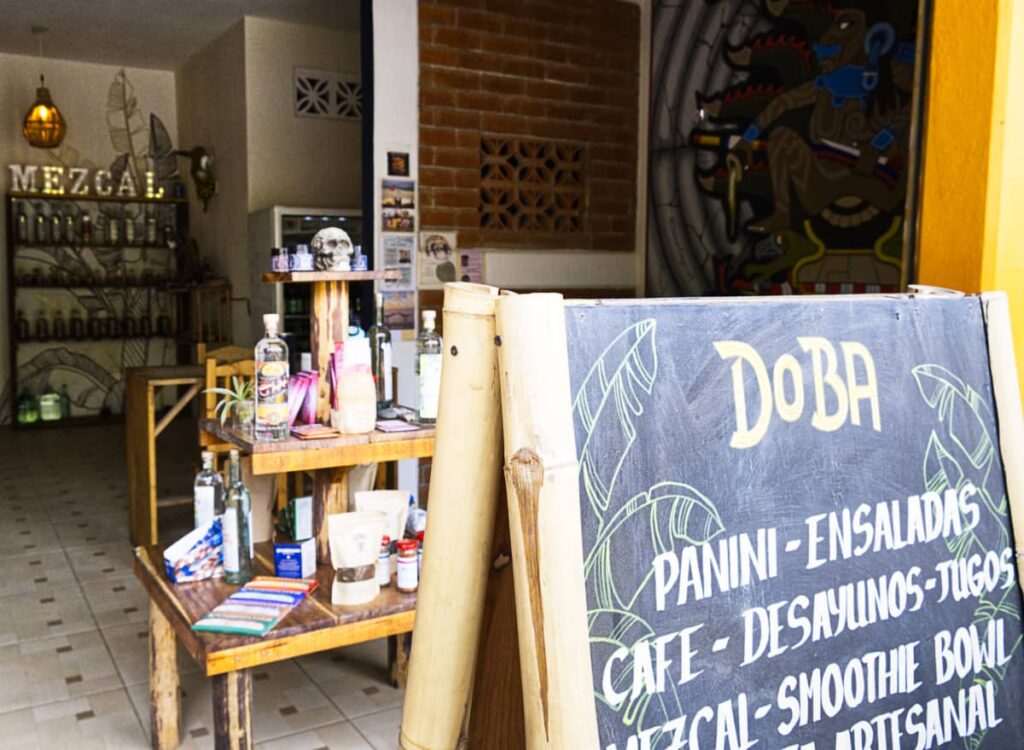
(43, 126)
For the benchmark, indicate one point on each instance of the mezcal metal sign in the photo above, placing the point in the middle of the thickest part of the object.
(795, 526)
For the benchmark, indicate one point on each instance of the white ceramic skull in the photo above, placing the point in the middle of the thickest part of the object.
(332, 249)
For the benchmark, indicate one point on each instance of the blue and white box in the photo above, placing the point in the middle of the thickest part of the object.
(295, 559)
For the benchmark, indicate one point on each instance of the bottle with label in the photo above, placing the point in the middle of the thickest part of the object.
(86, 229)
(408, 566)
(384, 562)
(129, 230)
(380, 357)
(271, 383)
(114, 231)
(236, 527)
(428, 369)
(39, 229)
(207, 493)
(70, 233)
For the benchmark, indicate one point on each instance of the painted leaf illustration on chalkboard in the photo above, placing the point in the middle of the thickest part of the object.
(962, 450)
(663, 519)
(610, 630)
(607, 405)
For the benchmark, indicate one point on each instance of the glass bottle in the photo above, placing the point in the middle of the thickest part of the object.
(380, 357)
(42, 327)
(39, 226)
(114, 231)
(428, 369)
(22, 231)
(271, 383)
(65, 402)
(56, 222)
(129, 230)
(151, 231)
(76, 325)
(59, 327)
(207, 493)
(22, 327)
(236, 526)
(69, 229)
(86, 229)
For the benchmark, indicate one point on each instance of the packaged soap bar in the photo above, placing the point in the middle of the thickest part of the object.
(295, 559)
(196, 556)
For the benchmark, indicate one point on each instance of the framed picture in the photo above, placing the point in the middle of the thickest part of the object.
(398, 164)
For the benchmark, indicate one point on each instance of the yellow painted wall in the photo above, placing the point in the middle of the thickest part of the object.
(972, 198)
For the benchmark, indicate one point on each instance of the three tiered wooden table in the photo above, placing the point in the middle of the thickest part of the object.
(316, 625)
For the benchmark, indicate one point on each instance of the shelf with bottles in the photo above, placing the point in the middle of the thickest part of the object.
(167, 201)
(90, 246)
(54, 328)
(64, 222)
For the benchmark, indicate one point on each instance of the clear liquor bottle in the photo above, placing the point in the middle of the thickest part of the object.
(207, 492)
(236, 526)
(428, 369)
(271, 383)
(380, 357)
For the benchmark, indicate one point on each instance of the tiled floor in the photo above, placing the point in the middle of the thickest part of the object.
(73, 653)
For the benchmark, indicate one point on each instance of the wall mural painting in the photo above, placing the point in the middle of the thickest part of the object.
(780, 145)
(93, 371)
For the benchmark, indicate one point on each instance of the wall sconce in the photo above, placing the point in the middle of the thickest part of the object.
(43, 126)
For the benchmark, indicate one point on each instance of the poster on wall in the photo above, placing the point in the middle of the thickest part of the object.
(438, 259)
(780, 146)
(400, 310)
(398, 205)
(399, 254)
(471, 266)
(398, 163)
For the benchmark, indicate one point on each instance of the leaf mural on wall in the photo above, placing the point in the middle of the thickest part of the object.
(126, 124)
(161, 152)
(962, 451)
(608, 402)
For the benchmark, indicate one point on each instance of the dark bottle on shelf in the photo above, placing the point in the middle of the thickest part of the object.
(129, 230)
(163, 325)
(103, 326)
(99, 231)
(128, 327)
(22, 223)
(59, 326)
(36, 277)
(151, 231)
(92, 326)
(22, 327)
(114, 327)
(39, 228)
(86, 229)
(76, 325)
(55, 277)
(42, 328)
(65, 402)
(145, 326)
(69, 229)
(114, 230)
(56, 223)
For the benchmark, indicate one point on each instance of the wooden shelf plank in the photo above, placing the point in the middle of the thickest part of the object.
(315, 625)
(294, 454)
(309, 277)
(67, 198)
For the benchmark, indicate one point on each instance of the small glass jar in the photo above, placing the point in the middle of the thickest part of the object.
(408, 566)
(384, 562)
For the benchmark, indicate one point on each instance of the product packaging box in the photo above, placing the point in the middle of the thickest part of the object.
(197, 555)
(295, 559)
(302, 515)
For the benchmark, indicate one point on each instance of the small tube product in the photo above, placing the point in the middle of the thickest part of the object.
(355, 543)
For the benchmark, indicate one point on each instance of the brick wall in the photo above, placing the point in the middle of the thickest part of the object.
(528, 121)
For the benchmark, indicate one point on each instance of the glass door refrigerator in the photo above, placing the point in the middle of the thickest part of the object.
(284, 226)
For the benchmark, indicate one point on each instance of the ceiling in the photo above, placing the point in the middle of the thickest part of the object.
(149, 33)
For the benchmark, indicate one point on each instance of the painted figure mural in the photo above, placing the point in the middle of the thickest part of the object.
(780, 145)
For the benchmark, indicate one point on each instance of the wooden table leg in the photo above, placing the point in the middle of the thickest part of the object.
(232, 710)
(164, 698)
(399, 648)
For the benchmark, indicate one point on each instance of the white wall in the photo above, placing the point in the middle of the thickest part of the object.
(298, 161)
(80, 92)
(396, 125)
(211, 110)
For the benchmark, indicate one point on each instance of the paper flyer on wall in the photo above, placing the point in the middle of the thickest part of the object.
(398, 205)
(471, 266)
(400, 310)
(398, 251)
(437, 259)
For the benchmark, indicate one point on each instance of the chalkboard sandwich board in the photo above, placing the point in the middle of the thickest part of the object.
(765, 523)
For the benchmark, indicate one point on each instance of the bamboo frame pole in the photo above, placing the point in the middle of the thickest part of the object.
(464, 485)
(1006, 393)
(542, 481)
